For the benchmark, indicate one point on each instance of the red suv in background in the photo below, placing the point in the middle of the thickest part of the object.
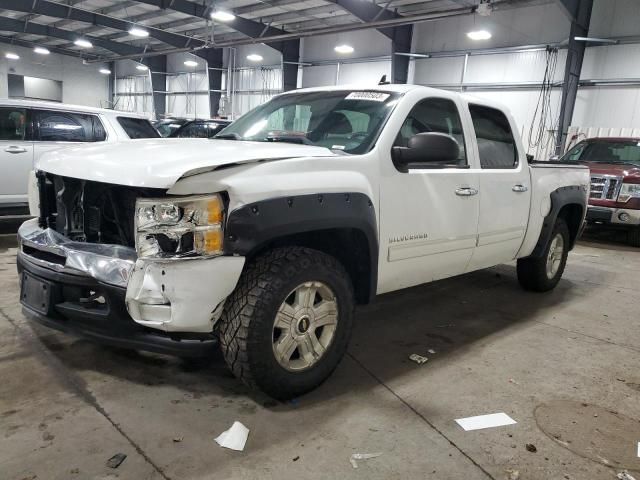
(614, 200)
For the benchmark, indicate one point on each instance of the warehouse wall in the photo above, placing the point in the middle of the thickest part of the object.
(81, 84)
(188, 86)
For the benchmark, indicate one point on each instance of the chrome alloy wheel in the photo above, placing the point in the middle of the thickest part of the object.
(554, 257)
(304, 326)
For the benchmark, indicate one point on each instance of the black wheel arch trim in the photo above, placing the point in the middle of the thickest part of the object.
(561, 197)
(249, 228)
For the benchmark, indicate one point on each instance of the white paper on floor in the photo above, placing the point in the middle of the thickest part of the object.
(485, 421)
(234, 438)
(362, 456)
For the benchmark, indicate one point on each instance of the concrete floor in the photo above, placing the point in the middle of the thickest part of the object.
(564, 365)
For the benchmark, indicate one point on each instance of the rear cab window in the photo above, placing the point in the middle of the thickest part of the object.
(60, 126)
(496, 145)
(138, 127)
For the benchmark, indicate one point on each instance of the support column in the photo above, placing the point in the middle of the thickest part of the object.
(213, 57)
(158, 71)
(400, 42)
(575, 55)
(290, 51)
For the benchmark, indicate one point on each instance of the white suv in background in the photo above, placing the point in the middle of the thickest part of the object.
(30, 128)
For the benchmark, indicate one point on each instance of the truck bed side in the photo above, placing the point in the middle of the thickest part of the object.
(552, 185)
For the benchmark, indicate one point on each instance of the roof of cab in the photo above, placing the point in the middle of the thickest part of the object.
(65, 107)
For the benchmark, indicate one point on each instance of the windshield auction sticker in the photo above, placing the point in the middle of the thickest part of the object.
(372, 96)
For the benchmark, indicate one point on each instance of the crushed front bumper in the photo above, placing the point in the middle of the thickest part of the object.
(105, 292)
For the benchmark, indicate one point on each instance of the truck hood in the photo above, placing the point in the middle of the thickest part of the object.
(619, 170)
(160, 162)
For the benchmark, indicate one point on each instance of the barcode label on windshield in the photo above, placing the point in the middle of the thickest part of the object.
(372, 96)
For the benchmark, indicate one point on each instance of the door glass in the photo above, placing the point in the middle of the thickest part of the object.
(138, 128)
(496, 144)
(13, 123)
(193, 130)
(64, 126)
(434, 115)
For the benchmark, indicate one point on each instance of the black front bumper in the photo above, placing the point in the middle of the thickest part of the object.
(83, 306)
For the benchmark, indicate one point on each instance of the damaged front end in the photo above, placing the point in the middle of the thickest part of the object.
(81, 271)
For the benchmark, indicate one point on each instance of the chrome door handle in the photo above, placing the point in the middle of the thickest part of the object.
(519, 188)
(15, 149)
(466, 191)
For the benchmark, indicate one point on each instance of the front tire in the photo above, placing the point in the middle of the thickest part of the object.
(287, 324)
(541, 274)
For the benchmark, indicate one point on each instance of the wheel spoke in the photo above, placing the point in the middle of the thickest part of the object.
(326, 313)
(285, 347)
(305, 295)
(284, 317)
(310, 348)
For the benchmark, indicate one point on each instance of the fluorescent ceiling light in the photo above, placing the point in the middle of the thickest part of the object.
(12, 56)
(191, 63)
(222, 16)
(144, 68)
(479, 35)
(138, 32)
(344, 49)
(81, 42)
(105, 71)
(42, 50)
(254, 57)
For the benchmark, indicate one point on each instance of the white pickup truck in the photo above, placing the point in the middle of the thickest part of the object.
(264, 239)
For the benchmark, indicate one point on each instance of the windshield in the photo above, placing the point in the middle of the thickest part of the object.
(345, 120)
(605, 151)
(167, 127)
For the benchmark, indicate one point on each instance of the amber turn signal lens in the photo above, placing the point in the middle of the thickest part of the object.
(208, 242)
(214, 211)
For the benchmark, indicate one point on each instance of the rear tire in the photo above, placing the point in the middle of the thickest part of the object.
(541, 274)
(633, 237)
(287, 324)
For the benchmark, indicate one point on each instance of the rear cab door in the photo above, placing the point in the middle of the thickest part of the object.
(428, 216)
(505, 186)
(16, 155)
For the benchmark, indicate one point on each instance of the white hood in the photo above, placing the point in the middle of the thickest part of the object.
(160, 162)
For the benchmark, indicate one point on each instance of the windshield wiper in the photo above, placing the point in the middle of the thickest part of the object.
(284, 138)
(228, 136)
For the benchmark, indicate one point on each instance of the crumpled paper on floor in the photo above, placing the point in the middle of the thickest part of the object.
(234, 438)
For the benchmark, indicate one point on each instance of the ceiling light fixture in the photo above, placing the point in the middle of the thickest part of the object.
(344, 49)
(191, 63)
(142, 68)
(479, 35)
(12, 56)
(254, 57)
(105, 71)
(81, 42)
(42, 50)
(138, 32)
(222, 16)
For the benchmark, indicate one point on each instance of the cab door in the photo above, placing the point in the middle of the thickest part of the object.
(16, 156)
(505, 188)
(428, 216)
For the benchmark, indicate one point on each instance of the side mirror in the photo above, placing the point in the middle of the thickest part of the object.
(424, 150)
(530, 158)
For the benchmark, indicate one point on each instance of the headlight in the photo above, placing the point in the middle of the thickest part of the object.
(629, 190)
(179, 227)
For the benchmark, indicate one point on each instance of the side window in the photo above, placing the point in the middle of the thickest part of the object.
(193, 130)
(99, 134)
(434, 115)
(138, 128)
(496, 144)
(13, 123)
(64, 126)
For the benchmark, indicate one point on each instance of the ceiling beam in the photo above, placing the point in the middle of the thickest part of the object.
(250, 28)
(58, 10)
(18, 26)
